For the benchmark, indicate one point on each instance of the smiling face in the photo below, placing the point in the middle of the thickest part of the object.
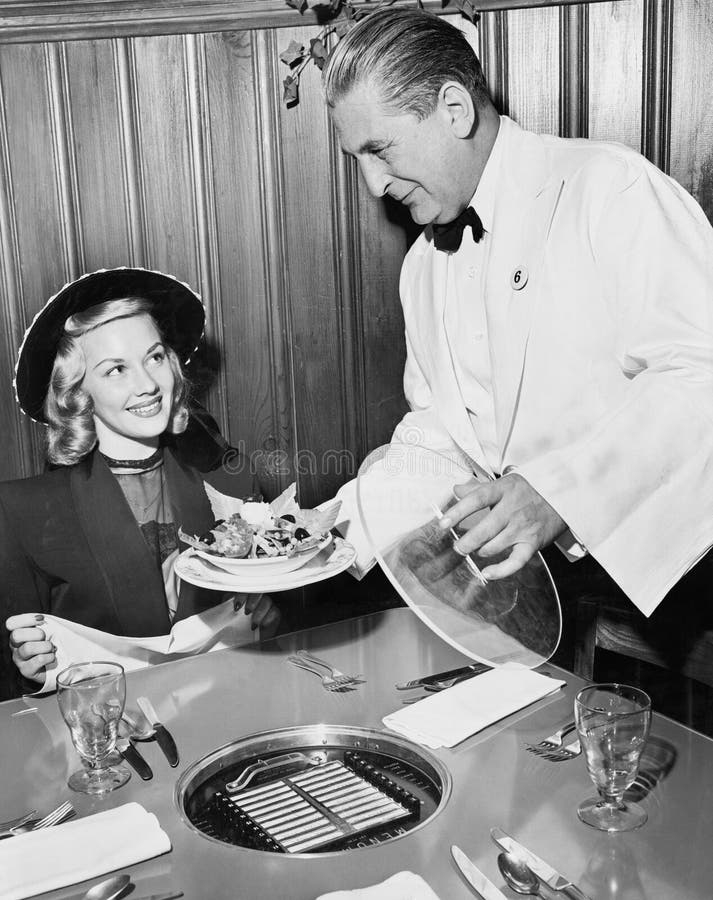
(429, 165)
(130, 380)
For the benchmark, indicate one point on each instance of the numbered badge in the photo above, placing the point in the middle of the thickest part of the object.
(519, 277)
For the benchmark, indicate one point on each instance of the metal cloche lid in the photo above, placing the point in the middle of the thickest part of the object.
(514, 622)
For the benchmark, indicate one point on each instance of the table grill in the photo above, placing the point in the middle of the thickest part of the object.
(316, 789)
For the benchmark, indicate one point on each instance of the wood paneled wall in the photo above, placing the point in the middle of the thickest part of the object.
(131, 135)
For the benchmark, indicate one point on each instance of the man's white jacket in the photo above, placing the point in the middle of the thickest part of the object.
(602, 369)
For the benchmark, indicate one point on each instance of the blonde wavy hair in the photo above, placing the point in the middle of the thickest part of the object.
(69, 410)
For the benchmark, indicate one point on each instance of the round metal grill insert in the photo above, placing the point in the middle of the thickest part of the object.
(313, 789)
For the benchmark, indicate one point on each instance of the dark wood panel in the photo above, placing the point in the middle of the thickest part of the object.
(615, 72)
(165, 164)
(574, 71)
(312, 279)
(533, 78)
(656, 103)
(204, 212)
(38, 254)
(252, 346)
(692, 101)
(15, 440)
(494, 55)
(99, 154)
(30, 141)
(386, 230)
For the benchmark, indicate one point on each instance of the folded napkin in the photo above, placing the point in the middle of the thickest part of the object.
(216, 628)
(449, 717)
(66, 854)
(402, 886)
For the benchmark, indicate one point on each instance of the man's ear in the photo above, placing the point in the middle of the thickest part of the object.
(457, 104)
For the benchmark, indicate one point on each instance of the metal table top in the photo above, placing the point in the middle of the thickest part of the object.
(214, 699)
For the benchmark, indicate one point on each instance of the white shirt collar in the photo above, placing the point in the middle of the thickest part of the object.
(483, 201)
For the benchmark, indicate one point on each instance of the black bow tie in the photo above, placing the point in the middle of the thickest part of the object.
(448, 237)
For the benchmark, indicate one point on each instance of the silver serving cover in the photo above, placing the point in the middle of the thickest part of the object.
(401, 490)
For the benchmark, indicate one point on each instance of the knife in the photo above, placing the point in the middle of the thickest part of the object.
(475, 669)
(475, 878)
(129, 752)
(169, 895)
(163, 735)
(543, 870)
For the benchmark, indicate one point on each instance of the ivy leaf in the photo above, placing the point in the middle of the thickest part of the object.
(290, 95)
(346, 18)
(342, 25)
(341, 16)
(467, 7)
(293, 54)
(318, 52)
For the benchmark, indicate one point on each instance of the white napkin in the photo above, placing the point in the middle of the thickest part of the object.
(216, 628)
(66, 854)
(401, 886)
(449, 717)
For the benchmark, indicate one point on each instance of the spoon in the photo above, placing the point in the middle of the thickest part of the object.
(108, 889)
(518, 875)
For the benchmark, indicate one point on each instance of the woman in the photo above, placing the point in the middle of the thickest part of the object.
(94, 539)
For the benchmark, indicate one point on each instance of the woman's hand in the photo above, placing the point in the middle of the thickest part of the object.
(31, 651)
(261, 608)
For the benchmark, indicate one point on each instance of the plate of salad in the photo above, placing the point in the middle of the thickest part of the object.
(254, 538)
(335, 558)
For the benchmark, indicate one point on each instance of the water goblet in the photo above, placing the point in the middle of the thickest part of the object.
(91, 699)
(613, 722)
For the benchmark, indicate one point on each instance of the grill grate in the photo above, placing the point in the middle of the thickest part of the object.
(298, 792)
(318, 807)
(336, 803)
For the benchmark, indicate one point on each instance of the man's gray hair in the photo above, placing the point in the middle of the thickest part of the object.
(408, 55)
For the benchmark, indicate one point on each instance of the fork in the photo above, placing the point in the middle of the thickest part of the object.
(329, 683)
(58, 815)
(339, 677)
(553, 742)
(569, 751)
(435, 686)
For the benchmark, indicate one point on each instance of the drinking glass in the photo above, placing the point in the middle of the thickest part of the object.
(91, 699)
(613, 722)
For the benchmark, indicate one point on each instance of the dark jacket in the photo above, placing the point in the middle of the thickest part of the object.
(70, 546)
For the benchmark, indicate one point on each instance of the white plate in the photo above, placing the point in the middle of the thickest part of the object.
(265, 566)
(328, 563)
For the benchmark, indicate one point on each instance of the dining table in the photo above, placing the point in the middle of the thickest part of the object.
(216, 698)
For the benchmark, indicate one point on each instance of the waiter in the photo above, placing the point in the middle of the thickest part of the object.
(558, 309)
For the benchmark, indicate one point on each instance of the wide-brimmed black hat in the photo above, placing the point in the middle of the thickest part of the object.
(178, 310)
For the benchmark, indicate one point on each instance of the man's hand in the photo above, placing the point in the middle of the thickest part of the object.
(262, 610)
(519, 520)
